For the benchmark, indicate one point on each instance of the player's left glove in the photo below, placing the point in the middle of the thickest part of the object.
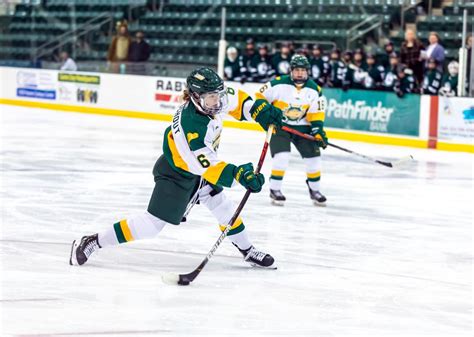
(247, 177)
(266, 114)
(317, 131)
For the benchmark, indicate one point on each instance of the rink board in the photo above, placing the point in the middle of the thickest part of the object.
(373, 117)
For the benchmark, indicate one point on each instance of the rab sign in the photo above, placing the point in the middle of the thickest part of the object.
(168, 93)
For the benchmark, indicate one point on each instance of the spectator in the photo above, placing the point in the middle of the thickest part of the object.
(337, 70)
(358, 69)
(139, 52)
(320, 67)
(405, 81)
(391, 73)
(232, 66)
(375, 73)
(450, 80)
(434, 51)
(262, 64)
(245, 59)
(281, 61)
(118, 49)
(359, 59)
(67, 63)
(384, 59)
(433, 78)
(410, 54)
(349, 70)
(347, 56)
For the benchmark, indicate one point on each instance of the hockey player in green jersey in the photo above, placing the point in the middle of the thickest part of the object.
(433, 79)
(405, 82)
(450, 80)
(281, 61)
(337, 72)
(189, 171)
(303, 106)
(232, 65)
(320, 67)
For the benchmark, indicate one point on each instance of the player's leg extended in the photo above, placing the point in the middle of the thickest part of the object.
(136, 227)
(223, 209)
(280, 146)
(312, 158)
(168, 203)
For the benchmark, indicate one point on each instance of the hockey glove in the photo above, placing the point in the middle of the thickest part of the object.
(266, 114)
(317, 131)
(246, 176)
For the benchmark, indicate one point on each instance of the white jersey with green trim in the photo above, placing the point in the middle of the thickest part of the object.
(300, 105)
(192, 140)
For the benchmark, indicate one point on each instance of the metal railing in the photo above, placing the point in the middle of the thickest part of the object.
(357, 31)
(71, 36)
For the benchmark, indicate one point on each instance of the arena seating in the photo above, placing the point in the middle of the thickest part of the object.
(187, 31)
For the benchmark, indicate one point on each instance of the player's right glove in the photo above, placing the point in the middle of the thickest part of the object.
(266, 114)
(317, 131)
(247, 177)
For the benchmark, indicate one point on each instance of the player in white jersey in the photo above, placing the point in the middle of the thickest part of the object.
(190, 172)
(303, 106)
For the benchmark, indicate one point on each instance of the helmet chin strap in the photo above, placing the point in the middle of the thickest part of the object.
(197, 105)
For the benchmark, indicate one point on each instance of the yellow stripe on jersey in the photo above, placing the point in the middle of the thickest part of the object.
(315, 116)
(214, 172)
(126, 231)
(236, 224)
(280, 104)
(314, 175)
(278, 173)
(177, 159)
(259, 95)
(237, 112)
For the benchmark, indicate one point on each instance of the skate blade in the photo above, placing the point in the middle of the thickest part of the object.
(272, 267)
(72, 260)
(277, 203)
(319, 204)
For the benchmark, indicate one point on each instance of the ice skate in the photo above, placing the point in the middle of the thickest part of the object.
(81, 251)
(277, 197)
(318, 198)
(257, 258)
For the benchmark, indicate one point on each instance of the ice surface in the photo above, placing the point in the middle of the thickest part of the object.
(391, 255)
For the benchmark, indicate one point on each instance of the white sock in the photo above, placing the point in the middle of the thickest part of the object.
(241, 240)
(136, 227)
(279, 166)
(223, 209)
(313, 171)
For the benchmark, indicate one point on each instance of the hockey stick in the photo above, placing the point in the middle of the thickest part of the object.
(384, 163)
(186, 279)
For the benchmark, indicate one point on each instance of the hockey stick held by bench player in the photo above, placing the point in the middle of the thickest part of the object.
(186, 279)
(384, 163)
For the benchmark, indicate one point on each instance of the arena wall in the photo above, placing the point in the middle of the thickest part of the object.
(375, 117)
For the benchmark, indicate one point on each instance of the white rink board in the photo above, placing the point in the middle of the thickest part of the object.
(391, 255)
(145, 94)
